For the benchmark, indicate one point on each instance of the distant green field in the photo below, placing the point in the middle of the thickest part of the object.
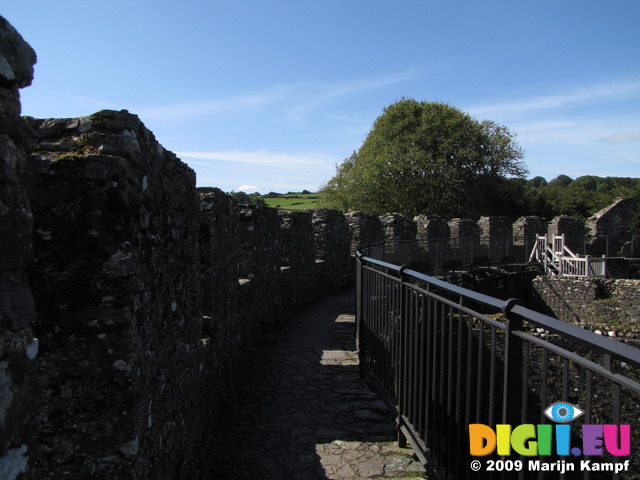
(295, 201)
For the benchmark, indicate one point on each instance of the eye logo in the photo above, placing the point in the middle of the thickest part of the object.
(563, 412)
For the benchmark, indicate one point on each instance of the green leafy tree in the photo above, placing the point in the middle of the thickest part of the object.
(428, 158)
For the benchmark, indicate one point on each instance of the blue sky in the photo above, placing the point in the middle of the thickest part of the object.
(270, 95)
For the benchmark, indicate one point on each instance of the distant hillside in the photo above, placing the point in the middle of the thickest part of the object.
(282, 201)
(291, 201)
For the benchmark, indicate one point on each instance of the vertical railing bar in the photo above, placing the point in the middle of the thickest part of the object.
(413, 325)
(450, 377)
(544, 382)
(417, 381)
(434, 370)
(617, 400)
(377, 282)
(469, 370)
(421, 368)
(492, 376)
(588, 405)
(412, 356)
(415, 357)
(428, 389)
(512, 395)
(525, 383)
(479, 374)
(443, 374)
(588, 396)
(565, 379)
(396, 324)
(459, 369)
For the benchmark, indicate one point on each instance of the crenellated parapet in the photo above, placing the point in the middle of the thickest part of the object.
(19, 399)
(134, 294)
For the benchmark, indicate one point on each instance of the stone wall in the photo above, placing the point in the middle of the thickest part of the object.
(19, 443)
(610, 228)
(116, 281)
(143, 292)
(496, 235)
(572, 228)
(147, 293)
(398, 227)
(259, 246)
(434, 244)
(365, 229)
(333, 254)
(465, 240)
(298, 260)
(608, 305)
(527, 229)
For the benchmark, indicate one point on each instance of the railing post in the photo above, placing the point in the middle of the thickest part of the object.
(400, 365)
(512, 399)
(358, 300)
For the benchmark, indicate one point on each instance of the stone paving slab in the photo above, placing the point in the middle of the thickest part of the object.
(304, 413)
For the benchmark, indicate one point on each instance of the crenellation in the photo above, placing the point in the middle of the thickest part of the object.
(365, 229)
(398, 227)
(465, 239)
(133, 295)
(496, 236)
(19, 349)
(572, 228)
(333, 248)
(106, 224)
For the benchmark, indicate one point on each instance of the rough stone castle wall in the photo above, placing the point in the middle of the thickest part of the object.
(115, 278)
(19, 443)
(365, 229)
(143, 291)
(609, 305)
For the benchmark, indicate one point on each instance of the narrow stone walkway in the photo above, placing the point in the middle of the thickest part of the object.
(303, 412)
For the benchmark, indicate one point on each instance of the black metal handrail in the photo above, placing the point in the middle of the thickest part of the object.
(449, 253)
(444, 357)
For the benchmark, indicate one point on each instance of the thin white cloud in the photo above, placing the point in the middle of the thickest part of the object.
(237, 103)
(90, 104)
(597, 93)
(261, 158)
(330, 91)
(624, 137)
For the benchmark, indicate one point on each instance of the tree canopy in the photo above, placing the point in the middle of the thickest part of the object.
(428, 158)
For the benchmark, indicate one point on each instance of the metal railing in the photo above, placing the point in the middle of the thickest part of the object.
(450, 253)
(445, 357)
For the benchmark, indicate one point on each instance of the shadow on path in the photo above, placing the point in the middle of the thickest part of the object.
(303, 412)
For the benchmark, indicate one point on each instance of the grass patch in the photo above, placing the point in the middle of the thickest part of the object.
(293, 201)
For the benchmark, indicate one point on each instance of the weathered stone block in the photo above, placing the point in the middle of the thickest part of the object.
(465, 241)
(398, 227)
(116, 284)
(365, 229)
(259, 239)
(572, 228)
(332, 246)
(527, 229)
(610, 228)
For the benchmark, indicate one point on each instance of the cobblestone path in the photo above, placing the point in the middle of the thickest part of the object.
(304, 413)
